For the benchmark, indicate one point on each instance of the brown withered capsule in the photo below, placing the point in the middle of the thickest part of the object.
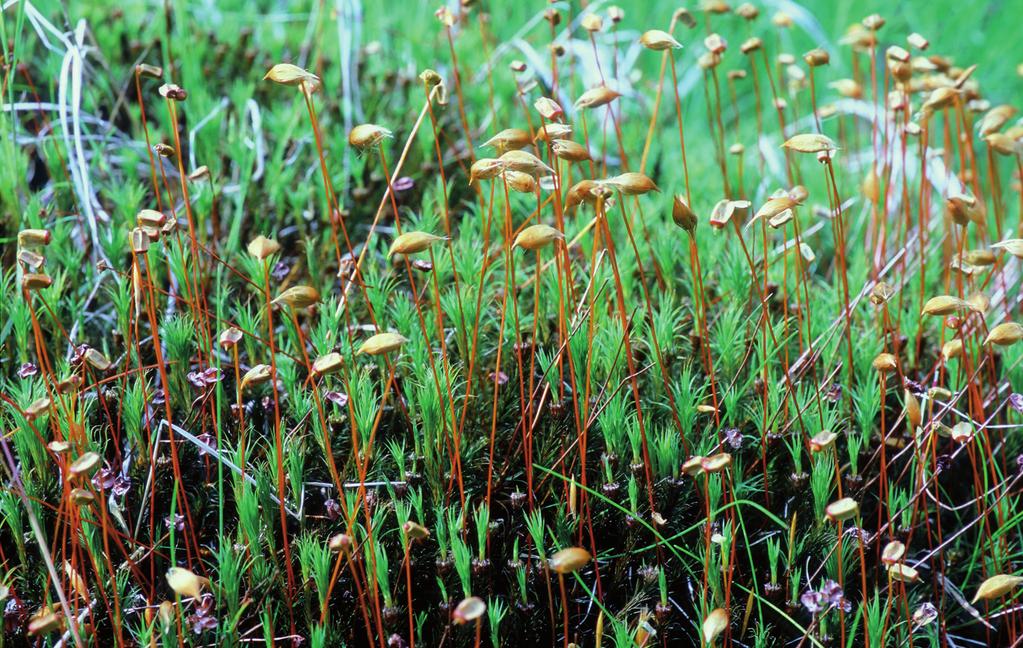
(683, 214)
(817, 57)
(35, 281)
(683, 15)
(173, 91)
(146, 70)
(163, 150)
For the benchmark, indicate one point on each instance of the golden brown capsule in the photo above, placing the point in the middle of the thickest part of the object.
(715, 623)
(485, 169)
(682, 214)
(996, 587)
(1005, 334)
(367, 136)
(632, 183)
(568, 150)
(292, 75)
(382, 343)
(810, 143)
(570, 560)
(525, 162)
(884, 362)
(298, 297)
(658, 40)
(413, 242)
(186, 583)
(262, 247)
(596, 97)
(327, 364)
(509, 139)
(34, 238)
(536, 237)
